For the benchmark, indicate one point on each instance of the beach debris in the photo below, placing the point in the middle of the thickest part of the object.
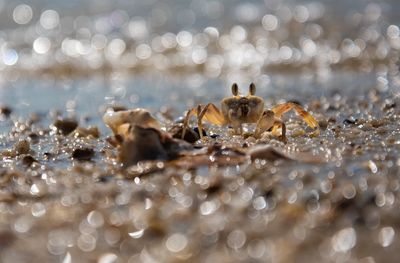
(138, 137)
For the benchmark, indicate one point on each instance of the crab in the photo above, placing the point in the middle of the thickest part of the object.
(237, 110)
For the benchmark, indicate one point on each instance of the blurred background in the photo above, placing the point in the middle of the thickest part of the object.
(77, 56)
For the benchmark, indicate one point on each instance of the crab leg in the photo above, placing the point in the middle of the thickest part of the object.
(280, 109)
(209, 113)
(212, 114)
(265, 123)
(280, 124)
(268, 121)
(191, 112)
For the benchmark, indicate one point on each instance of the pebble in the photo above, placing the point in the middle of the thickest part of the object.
(28, 160)
(5, 111)
(92, 132)
(83, 154)
(22, 147)
(65, 126)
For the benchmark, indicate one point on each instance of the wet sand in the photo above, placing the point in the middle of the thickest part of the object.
(60, 204)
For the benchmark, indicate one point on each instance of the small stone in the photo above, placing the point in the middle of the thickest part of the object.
(22, 147)
(66, 126)
(377, 123)
(331, 120)
(47, 155)
(86, 132)
(33, 137)
(28, 160)
(349, 121)
(214, 135)
(5, 111)
(83, 154)
(323, 124)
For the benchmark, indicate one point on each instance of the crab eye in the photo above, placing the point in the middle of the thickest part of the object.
(235, 89)
(252, 89)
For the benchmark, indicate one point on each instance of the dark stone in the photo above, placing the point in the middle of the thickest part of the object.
(34, 137)
(349, 121)
(105, 178)
(22, 147)
(214, 135)
(47, 155)
(83, 154)
(66, 126)
(28, 160)
(269, 193)
(5, 111)
(213, 189)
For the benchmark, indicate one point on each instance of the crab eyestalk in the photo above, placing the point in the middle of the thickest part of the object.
(252, 89)
(235, 89)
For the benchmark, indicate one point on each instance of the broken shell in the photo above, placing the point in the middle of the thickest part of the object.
(139, 144)
(142, 144)
(137, 116)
